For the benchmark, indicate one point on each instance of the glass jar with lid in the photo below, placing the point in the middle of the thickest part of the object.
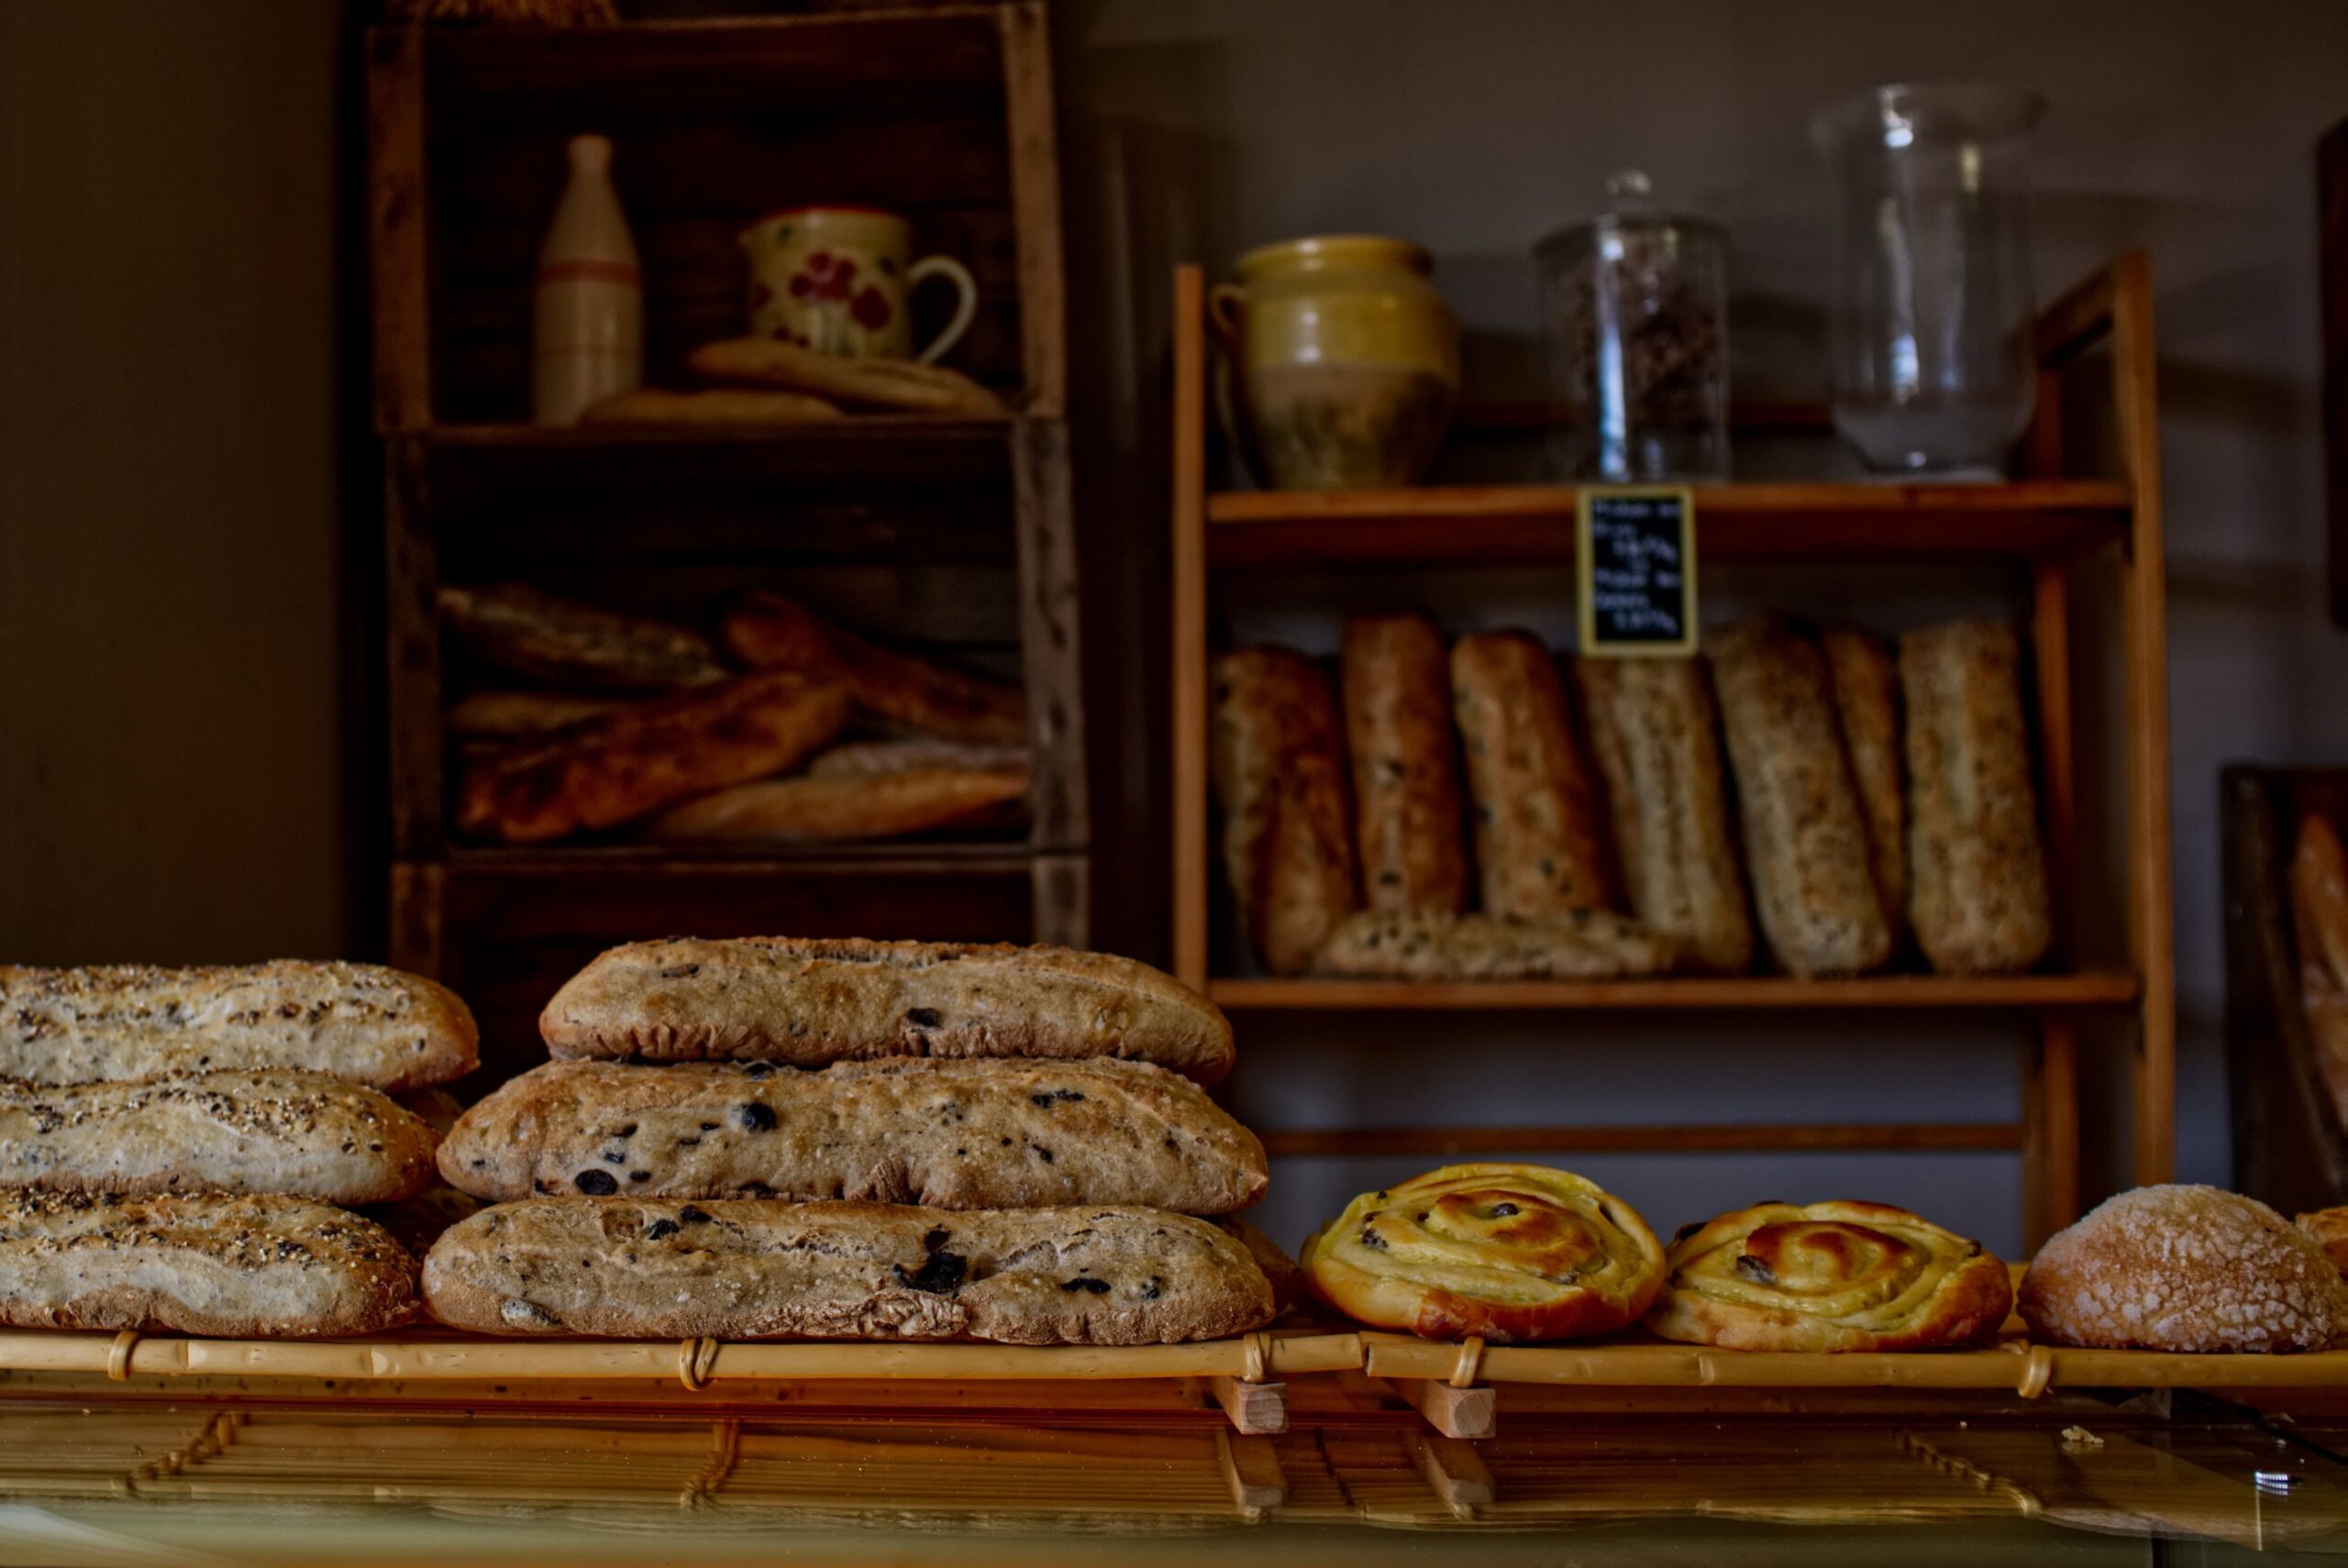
(1635, 320)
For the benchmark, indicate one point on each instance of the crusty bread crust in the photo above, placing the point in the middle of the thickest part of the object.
(951, 1134)
(516, 627)
(1866, 705)
(276, 1129)
(1407, 813)
(358, 1021)
(1422, 945)
(750, 1269)
(812, 1002)
(1279, 766)
(839, 810)
(268, 1268)
(770, 631)
(1540, 841)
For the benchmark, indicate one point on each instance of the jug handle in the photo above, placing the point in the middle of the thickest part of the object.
(964, 313)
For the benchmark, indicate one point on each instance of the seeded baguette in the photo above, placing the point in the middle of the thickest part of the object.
(272, 1130)
(1278, 766)
(809, 1002)
(1397, 693)
(268, 1268)
(977, 1134)
(109, 1022)
(1539, 845)
(753, 1269)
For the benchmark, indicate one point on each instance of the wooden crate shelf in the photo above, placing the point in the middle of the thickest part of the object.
(2105, 990)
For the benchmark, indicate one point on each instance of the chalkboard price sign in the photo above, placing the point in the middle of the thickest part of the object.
(1636, 544)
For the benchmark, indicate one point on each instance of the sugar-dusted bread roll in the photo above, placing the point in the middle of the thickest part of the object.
(518, 628)
(1512, 1252)
(269, 1130)
(966, 1134)
(1979, 903)
(755, 1269)
(839, 809)
(1407, 807)
(1656, 736)
(812, 1002)
(111, 1022)
(266, 1267)
(1540, 846)
(1830, 1276)
(767, 631)
(1280, 777)
(1422, 945)
(621, 767)
(1866, 677)
(1805, 838)
(2183, 1268)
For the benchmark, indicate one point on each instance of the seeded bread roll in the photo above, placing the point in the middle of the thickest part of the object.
(1539, 850)
(752, 1269)
(1979, 905)
(529, 632)
(356, 1021)
(270, 1267)
(979, 1134)
(809, 1002)
(1866, 705)
(769, 632)
(1280, 778)
(271, 1131)
(1422, 945)
(1805, 839)
(1656, 733)
(1406, 779)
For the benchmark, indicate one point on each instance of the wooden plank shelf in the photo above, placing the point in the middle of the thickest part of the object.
(2093, 990)
(2036, 520)
(1730, 1138)
(895, 857)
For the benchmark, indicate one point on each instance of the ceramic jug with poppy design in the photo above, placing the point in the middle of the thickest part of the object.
(836, 280)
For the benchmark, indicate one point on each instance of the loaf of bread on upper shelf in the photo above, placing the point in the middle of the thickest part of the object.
(809, 1001)
(1280, 778)
(1656, 736)
(615, 770)
(1867, 703)
(1805, 838)
(2319, 927)
(1979, 904)
(770, 631)
(1397, 694)
(518, 628)
(1428, 944)
(1540, 847)
(837, 809)
(111, 1022)
(951, 1134)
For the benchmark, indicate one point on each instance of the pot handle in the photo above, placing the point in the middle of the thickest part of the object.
(964, 314)
(1224, 301)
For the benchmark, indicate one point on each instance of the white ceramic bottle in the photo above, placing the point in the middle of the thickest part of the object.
(587, 337)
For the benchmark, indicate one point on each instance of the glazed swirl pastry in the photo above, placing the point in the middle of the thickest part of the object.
(1830, 1276)
(1507, 1251)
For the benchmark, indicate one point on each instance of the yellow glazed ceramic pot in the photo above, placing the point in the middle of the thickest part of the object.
(1346, 362)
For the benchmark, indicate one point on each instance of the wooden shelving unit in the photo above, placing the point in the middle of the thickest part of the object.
(2048, 530)
(952, 535)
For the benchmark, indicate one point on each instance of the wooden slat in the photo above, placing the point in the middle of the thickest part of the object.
(1035, 202)
(412, 660)
(1189, 703)
(1050, 637)
(2051, 1067)
(2051, 1131)
(417, 937)
(1733, 1138)
(2331, 286)
(900, 859)
(2024, 993)
(395, 225)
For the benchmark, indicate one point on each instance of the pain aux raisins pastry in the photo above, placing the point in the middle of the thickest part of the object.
(2329, 1229)
(1830, 1276)
(2185, 1268)
(1510, 1252)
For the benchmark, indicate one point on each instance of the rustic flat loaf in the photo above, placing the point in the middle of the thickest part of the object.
(974, 1134)
(516, 627)
(813, 1002)
(752, 1268)
(358, 1021)
(275, 1130)
(199, 1263)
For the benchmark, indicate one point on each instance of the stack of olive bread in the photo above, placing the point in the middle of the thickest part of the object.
(179, 1148)
(771, 1137)
(1617, 815)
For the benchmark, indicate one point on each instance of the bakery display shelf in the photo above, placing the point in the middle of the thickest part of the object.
(2088, 990)
(2033, 520)
(816, 860)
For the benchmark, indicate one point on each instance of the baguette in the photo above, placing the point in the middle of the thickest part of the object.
(1280, 777)
(1805, 839)
(520, 629)
(2320, 926)
(809, 1002)
(1427, 944)
(526, 716)
(1979, 905)
(206, 1264)
(975, 1134)
(769, 631)
(839, 809)
(612, 769)
(1656, 733)
(1406, 776)
(901, 385)
(879, 759)
(1866, 705)
(1538, 849)
(751, 1269)
(276, 1129)
(357, 1022)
